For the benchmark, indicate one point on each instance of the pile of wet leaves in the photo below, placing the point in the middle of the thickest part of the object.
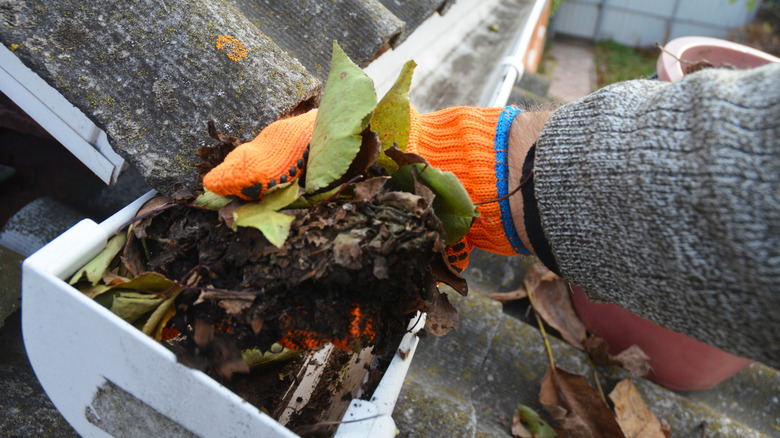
(353, 271)
(343, 255)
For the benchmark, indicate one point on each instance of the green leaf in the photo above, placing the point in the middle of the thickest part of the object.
(392, 117)
(92, 291)
(161, 315)
(452, 203)
(97, 267)
(320, 197)
(132, 305)
(254, 357)
(455, 227)
(146, 282)
(264, 214)
(211, 200)
(345, 110)
(538, 427)
(140, 296)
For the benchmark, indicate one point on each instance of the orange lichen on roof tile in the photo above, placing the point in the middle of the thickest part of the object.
(235, 48)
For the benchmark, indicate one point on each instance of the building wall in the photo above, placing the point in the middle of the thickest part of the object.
(643, 23)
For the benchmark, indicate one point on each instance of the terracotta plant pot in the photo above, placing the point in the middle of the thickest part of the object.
(679, 362)
(718, 52)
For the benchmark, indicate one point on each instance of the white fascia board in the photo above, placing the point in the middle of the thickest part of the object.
(71, 127)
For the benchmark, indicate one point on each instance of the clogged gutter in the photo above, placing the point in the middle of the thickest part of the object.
(232, 285)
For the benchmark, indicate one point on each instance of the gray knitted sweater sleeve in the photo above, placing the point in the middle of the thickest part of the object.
(664, 198)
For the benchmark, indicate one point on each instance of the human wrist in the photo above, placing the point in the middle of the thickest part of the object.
(523, 133)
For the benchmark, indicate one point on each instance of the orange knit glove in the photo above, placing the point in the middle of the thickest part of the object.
(470, 142)
(277, 154)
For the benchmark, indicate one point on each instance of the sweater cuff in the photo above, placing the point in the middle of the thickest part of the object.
(531, 218)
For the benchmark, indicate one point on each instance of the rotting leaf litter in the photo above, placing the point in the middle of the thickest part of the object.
(343, 254)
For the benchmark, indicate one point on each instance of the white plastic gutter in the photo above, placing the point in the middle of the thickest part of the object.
(513, 64)
(66, 123)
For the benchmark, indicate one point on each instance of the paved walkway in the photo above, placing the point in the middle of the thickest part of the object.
(574, 73)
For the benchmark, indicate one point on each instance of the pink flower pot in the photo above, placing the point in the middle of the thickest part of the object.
(716, 51)
(679, 362)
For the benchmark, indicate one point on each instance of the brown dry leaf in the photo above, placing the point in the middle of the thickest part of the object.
(370, 147)
(226, 213)
(442, 316)
(417, 205)
(203, 333)
(112, 279)
(222, 355)
(404, 158)
(421, 189)
(212, 156)
(518, 429)
(370, 188)
(700, 65)
(256, 324)
(444, 272)
(536, 274)
(131, 257)
(234, 307)
(633, 415)
(576, 407)
(632, 358)
(503, 297)
(346, 250)
(139, 228)
(182, 194)
(553, 303)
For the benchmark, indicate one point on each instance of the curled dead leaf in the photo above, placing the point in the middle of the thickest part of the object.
(553, 303)
(633, 415)
(346, 250)
(503, 297)
(403, 158)
(370, 188)
(414, 204)
(256, 324)
(633, 358)
(444, 272)
(518, 430)
(442, 316)
(576, 407)
(182, 194)
(234, 307)
(131, 257)
(146, 212)
(226, 213)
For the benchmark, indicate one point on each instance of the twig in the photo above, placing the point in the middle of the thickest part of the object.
(235, 293)
(522, 183)
(341, 189)
(305, 430)
(541, 329)
(682, 61)
(141, 217)
(596, 378)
